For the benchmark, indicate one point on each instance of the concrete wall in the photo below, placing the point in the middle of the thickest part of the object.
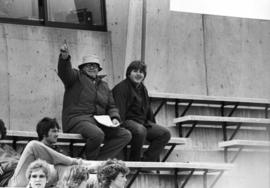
(124, 22)
(30, 87)
(203, 54)
(237, 56)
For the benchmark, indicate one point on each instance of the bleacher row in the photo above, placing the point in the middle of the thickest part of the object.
(189, 122)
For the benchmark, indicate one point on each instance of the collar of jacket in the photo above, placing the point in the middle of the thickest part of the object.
(134, 85)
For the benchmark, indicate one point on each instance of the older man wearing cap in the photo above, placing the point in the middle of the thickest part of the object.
(86, 95)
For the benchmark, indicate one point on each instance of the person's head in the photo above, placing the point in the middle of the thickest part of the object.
(136, 71)
(91, 65)
(3, 130)
(112, 174)
(37, 174)
(76, 177)
(47, 130)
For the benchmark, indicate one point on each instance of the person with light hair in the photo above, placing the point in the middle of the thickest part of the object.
(112, 174)
(87, 95)
(37, 174)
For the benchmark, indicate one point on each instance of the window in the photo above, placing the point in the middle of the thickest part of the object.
(81, 14)
(19, 9)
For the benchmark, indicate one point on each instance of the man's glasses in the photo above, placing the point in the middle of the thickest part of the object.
(36, 176)
(92, 65)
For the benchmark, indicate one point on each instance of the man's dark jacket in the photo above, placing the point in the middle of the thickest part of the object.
(133, 102)
(83, 98)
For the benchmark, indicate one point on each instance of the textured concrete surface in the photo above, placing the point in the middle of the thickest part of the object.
(204, 54)
(174, 51)
(30, 87)
(117, 23)
(237, 56)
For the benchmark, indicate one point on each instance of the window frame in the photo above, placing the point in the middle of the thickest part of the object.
(43, 15)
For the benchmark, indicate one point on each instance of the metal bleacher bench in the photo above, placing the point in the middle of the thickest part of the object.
(203, 99)
(240, 145)
(224, 120)
(219, 121)
(181, 167)
(72, 139)
(230, 102)
(245, 143)
(176, 167)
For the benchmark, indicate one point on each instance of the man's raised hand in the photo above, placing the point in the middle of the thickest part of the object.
(64, 51)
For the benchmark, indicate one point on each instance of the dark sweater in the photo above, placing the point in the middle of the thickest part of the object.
(133, 102)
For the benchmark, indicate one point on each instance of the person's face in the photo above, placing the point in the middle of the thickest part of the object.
(136, 76)
(38, 179)
(52, 136)
(91, 69)
(120, 181)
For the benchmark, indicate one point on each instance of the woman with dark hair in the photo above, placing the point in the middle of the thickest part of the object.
(112, 174)
(131, 98)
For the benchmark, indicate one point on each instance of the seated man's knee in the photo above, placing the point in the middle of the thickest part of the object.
(167, 135)
(127, 136)
(139, 132)
(97, 139)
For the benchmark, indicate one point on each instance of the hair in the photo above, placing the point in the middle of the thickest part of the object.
(45, 125)
(74, 177)
(136, 65)
(3, 129)
(109, 170)
(36, 165)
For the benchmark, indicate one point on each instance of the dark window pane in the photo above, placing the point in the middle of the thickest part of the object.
(86, 12)
(19, 9)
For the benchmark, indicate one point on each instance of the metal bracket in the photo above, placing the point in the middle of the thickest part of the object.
(191, 129)
(71, 149)
(159, 107)
(168, 153)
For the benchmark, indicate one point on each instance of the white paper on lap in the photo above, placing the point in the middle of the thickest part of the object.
(105, 120)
